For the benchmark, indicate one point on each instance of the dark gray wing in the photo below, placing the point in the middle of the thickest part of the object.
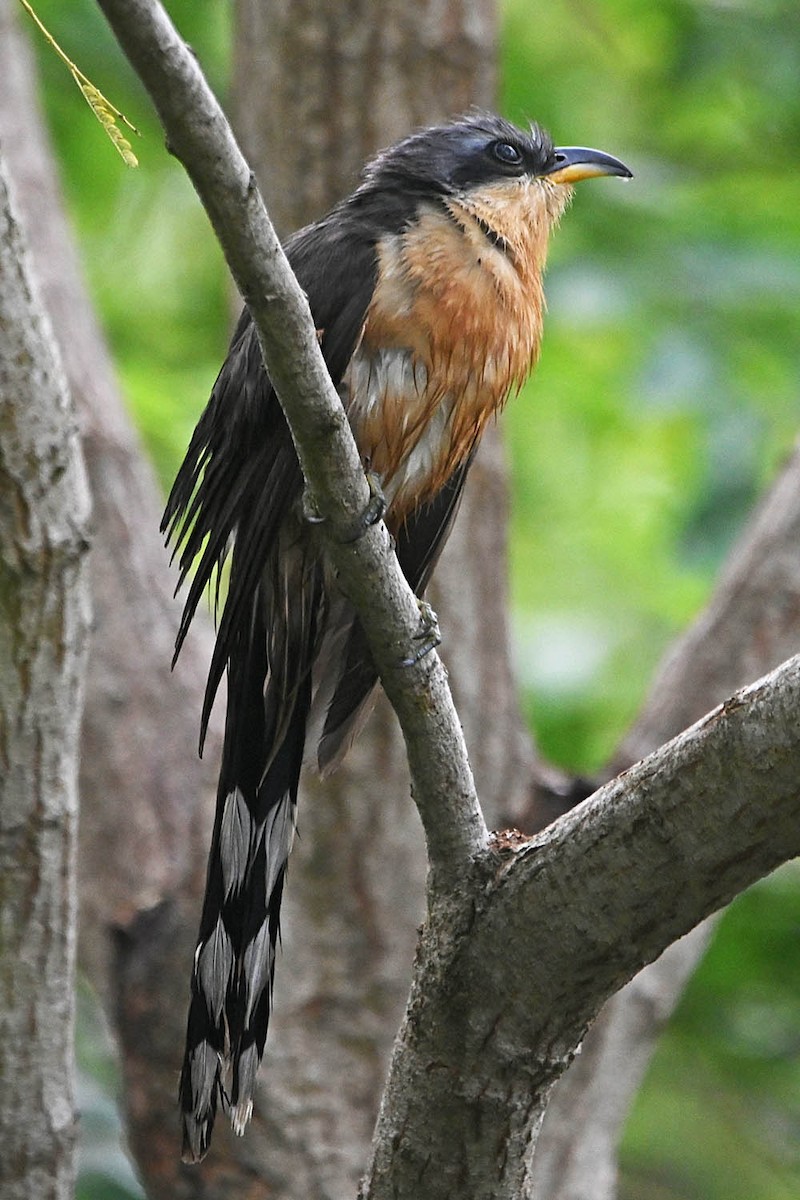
(240, 475)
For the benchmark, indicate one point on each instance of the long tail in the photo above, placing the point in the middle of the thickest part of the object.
(269, 694)
(235, 500)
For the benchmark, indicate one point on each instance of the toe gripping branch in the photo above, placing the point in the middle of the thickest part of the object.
(358, 526)
(427, 637)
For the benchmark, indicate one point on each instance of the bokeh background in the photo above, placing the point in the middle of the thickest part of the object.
(666, 397)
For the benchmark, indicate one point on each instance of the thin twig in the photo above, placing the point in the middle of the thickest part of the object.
(106, 113)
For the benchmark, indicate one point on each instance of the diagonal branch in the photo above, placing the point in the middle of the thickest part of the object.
(499, 1004)
(199, 135)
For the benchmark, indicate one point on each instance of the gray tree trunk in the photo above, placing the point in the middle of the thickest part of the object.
(147, 800)
(317, 88)
(44, 620)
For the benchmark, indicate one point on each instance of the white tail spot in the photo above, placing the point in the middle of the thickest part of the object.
(214, 965)
(234, 840)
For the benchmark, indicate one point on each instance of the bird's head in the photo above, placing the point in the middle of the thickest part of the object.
(485, 157)
(485, 162)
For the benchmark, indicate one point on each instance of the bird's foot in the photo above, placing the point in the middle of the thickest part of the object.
(370, 515)
(309, 510)
(372, 512)
(428, 636)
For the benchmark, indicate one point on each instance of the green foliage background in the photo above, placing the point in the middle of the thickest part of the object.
(665, 399)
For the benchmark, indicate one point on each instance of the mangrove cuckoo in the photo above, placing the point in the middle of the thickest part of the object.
(425, 286)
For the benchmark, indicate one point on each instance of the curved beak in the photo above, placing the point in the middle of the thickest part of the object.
(572, 163)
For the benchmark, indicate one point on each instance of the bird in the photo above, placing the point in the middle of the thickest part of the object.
(425, 286)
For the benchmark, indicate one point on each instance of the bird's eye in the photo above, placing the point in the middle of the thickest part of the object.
(507, 154)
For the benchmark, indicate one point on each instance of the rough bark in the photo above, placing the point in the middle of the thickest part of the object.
(510, 975)
(143, 822)
(44, 621)
(147, 801)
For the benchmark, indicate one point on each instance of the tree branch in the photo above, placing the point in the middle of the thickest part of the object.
(44, 625)
(199, 135)
(566, 919)
(748, 628)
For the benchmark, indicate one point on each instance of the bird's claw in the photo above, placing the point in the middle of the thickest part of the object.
(370, 515)
(308, 507)
(428, 636)
(372, 512)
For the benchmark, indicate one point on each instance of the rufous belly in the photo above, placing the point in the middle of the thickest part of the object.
(453, 328)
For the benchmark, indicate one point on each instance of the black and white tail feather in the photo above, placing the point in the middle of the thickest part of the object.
(237, 495)
(291, 646)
